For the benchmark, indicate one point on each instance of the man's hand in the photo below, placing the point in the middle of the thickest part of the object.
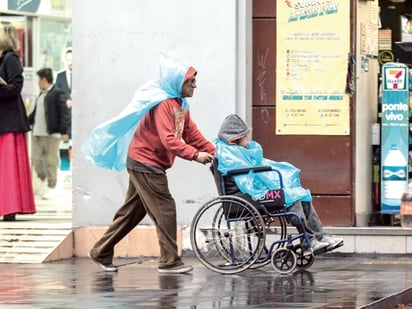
(204, 157)
(65, 137)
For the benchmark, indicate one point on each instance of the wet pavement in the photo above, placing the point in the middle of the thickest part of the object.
(333, 281)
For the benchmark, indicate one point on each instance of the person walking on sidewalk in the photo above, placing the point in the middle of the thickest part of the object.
(16, 190)
(164, 132)
(50, 120)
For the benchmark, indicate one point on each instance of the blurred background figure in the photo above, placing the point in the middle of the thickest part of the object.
(50, 119)
(16, 191)
(64, 80)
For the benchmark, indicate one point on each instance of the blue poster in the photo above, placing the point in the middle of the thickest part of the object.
(395, 136)
(24, 5)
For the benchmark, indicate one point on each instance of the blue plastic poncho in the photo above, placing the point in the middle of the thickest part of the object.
(108, 143)
(231, 157)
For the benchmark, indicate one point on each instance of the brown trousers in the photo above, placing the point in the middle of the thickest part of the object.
(147, 193)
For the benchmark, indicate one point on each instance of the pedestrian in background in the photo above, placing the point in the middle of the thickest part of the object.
(16, 191)
(164, 132)
(50, 120)
(64, 80)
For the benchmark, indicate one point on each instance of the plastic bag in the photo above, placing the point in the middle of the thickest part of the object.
(231, 157)
(108, 143)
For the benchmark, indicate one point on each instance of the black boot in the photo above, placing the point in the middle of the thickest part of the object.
(10, 217)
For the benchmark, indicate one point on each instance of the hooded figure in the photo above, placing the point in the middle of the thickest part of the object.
(231, 156)
(235, 151)
(108, 143)
(232, 128)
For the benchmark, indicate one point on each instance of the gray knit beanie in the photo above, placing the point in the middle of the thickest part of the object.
(233, 127)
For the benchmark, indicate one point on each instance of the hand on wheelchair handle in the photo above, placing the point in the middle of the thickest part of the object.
(204, 157)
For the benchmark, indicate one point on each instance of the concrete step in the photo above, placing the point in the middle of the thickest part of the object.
(41, 237)
(34, 242)
(379, 239)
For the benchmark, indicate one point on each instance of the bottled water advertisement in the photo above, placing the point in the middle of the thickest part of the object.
(395, 136)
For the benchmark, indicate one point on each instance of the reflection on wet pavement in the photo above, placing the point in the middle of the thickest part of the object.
(334, 281)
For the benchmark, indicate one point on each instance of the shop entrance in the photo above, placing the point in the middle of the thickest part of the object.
(43, 41)
(327, 163)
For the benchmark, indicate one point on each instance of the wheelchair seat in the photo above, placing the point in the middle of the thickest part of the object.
(272, 202)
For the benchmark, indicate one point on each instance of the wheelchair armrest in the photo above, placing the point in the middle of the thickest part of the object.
(257, 169)
(246, 170)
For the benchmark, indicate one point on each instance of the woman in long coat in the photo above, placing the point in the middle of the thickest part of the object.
(16, 189)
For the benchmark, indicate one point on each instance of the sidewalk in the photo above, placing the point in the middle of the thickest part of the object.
(336, 280)
(333, 281)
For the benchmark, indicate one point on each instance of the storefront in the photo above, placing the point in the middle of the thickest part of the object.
(45, 31)
(393, 118)
(337, 161)
(324, 112)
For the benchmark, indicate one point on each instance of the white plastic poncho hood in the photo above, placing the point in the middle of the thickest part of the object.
(108, 143)
(231, 157)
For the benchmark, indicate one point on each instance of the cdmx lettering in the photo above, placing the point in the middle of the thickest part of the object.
(272, 195)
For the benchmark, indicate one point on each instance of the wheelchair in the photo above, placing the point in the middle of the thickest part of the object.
(230, 233)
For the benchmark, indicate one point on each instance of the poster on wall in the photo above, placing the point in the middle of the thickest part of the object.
(394, 135)
(312, 43)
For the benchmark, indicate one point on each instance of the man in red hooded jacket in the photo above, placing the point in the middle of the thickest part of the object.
(166, 131)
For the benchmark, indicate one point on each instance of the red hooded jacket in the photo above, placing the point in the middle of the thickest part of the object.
(165, 132)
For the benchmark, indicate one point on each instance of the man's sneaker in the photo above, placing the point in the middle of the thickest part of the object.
(318, 245)
(50, 194)
(333, 242)
(106, 267)
(179, 269)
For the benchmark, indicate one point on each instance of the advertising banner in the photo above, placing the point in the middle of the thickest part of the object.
(61, 8)
(312, 44)
(394, 135)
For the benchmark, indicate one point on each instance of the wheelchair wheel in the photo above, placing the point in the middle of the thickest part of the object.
(303, 261)
(227, 234)
(284, 260)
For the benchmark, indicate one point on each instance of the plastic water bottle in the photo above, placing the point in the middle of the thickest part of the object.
(406, 207)
(394, 173)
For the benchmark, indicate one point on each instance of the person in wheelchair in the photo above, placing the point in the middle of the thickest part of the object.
(234, 150)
